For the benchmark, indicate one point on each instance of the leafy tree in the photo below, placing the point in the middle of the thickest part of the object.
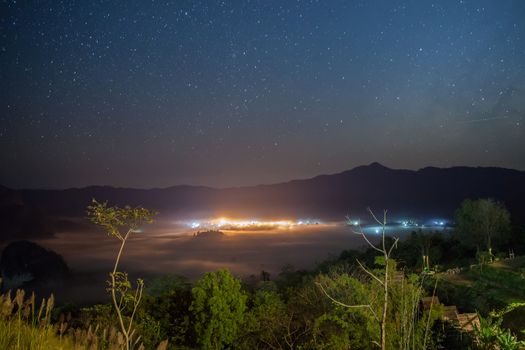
(120, 223)
(481, 222)
(167, 301)
(341, 327)
(218, 307)
(266, 323)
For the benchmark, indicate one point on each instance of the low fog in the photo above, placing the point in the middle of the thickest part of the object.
(171, 247)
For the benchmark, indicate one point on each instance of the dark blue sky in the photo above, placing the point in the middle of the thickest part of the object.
(158, 93)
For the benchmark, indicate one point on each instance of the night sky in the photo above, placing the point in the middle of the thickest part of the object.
(159, 93)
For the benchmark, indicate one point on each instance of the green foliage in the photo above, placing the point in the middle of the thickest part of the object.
(102, 317)
(167, 301)
(218, 307)
(293, 312)
(486, 333)
(289, 277)
(114, 219)
(512, 317)
(490, 335)
(265, 324)
(443, 250)
(127, 297)
(508, 341)
(482, 223)
(166, 284)
(410, 327)
(305, 318)
(14, 335)
(26, 325)
(339, 327)
(493, 287)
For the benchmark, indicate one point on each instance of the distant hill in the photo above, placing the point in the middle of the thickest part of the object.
(428, 192)
(27, 265)
(18, 219)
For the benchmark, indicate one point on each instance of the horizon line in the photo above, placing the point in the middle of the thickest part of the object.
(373, 164)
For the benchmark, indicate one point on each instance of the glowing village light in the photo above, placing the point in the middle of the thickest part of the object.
(232, 224)
(195, 224)
(221, 222)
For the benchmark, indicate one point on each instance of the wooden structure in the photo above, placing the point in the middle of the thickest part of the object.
(462, 322)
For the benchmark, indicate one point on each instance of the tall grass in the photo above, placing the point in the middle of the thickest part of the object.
(26, 325)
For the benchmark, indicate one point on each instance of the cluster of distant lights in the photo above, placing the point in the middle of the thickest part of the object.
(404, 223)
(226, 223)
(234, 224)
(408, 223)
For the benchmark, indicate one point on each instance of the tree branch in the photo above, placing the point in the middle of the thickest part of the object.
(361, 233)
(369, 272)
(363, 306)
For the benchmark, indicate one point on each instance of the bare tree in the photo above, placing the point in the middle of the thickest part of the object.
(383, 280)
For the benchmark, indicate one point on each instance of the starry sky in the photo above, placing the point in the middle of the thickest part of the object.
(229, 93)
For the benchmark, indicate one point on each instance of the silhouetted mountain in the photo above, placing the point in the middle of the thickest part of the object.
(428, 192)
(18, 219)
(25, 264)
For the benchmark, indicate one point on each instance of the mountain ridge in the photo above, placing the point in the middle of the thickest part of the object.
(373, 165)
(425, 192)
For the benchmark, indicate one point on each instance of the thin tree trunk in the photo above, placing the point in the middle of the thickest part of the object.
(113, 295)
(385, 305)
(385, 291)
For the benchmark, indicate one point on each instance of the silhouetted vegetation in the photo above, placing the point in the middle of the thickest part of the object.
(482, 223)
